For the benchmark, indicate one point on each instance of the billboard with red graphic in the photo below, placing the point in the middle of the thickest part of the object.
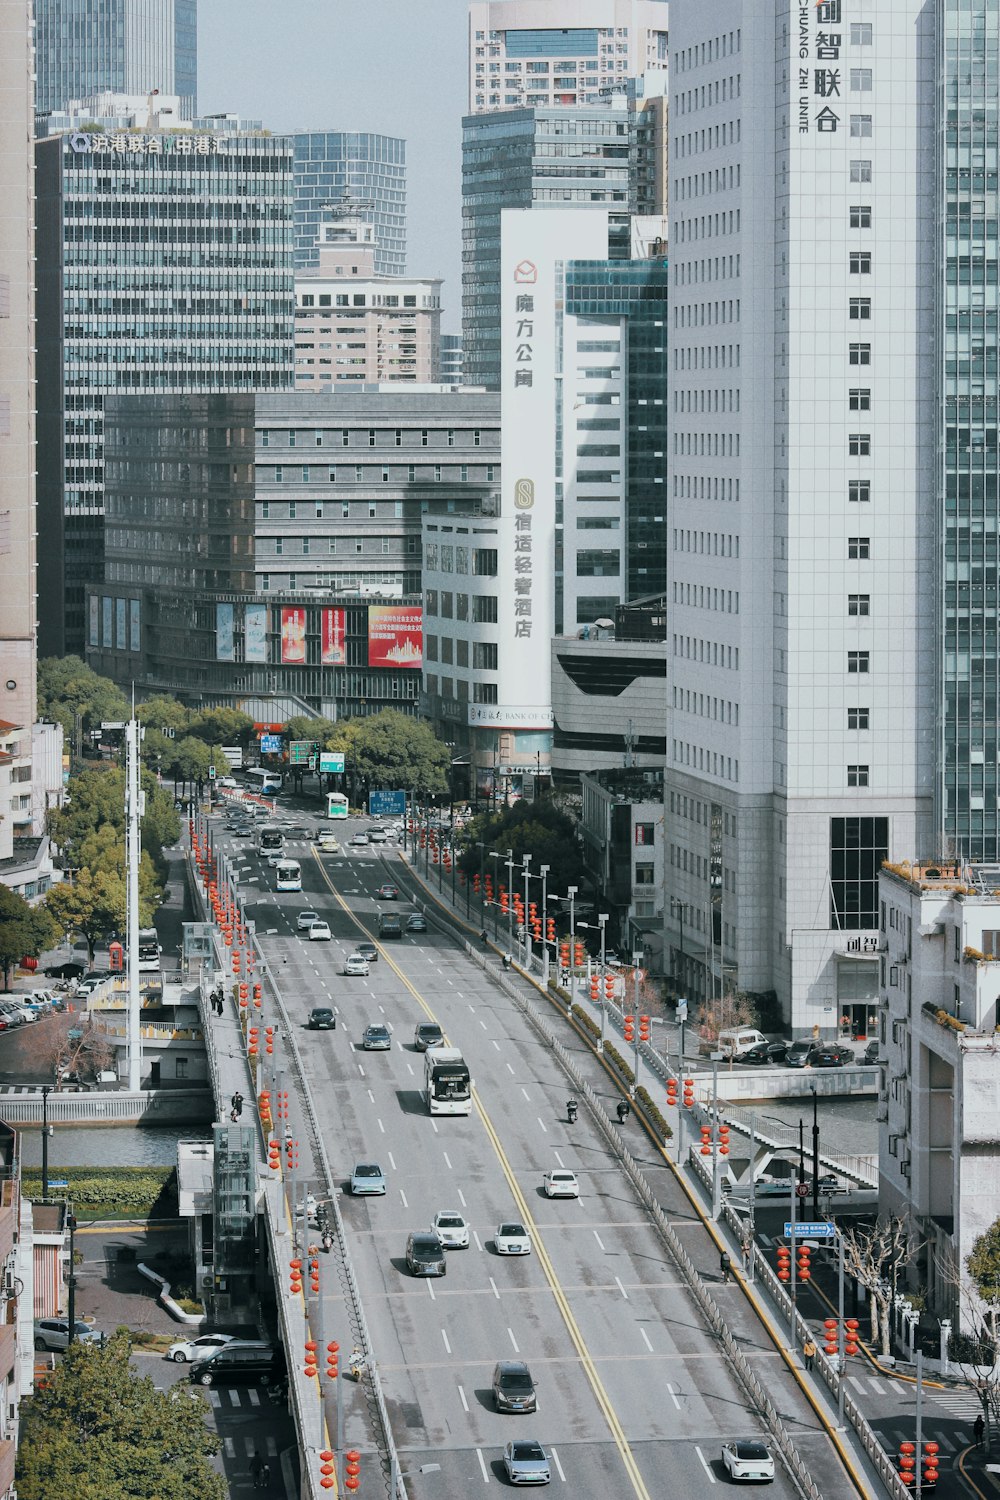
(334, 653)
(395, 636)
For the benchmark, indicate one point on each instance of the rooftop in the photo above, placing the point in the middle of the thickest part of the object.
(629, 783)
(942, 876)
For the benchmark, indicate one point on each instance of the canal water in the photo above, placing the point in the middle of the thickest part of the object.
(107, 1146)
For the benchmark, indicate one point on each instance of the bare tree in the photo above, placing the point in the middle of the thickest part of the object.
(874, 1255)
(67, 1045)
(976, 1348)
(732, 1010)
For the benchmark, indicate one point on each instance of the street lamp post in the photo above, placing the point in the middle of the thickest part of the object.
(46, 1091)
(636, 959)
(71, 1278)
(495, 903)
(602, 919)
(545, 936)
(678, 909)
(482, 883)
(571, 891)
(510, 900)
(716, 1195)
(525, 862)
(815, 1139)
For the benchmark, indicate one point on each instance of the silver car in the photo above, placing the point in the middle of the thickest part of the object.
(526, 1462)
(53, 1333)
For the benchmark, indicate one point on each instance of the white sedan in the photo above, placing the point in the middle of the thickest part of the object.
(559, 1183)
(356, 964)
(319, 932)
(451, 1229)
(747, 1460)
(189, 1351)
(512, 1239)
(306, 919)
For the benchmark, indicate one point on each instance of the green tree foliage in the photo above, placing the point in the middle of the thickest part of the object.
(92, 905)
(24, 931)
(67, 687)
(393, 750)
(162, 712)
(97, 807)
(317, 730)
(190, 759)
(222, 726)
(99, 1431)
(535, 828)
(983, 1264)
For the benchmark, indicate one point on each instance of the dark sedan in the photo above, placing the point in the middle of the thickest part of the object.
(764, 1053)
(825, 1057)
(322, 1018)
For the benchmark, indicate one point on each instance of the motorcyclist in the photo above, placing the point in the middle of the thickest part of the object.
(571, 1108)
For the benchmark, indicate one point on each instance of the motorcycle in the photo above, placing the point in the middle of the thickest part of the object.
(571, 1108)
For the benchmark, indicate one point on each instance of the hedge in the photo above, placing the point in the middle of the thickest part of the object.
(110, 1192)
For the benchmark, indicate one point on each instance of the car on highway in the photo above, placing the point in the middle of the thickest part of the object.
(763, 1053)
(427, 1034)
(320, 932)
(369, 951)
(321, 1018)
(747, 1459)
(189, 1351)
(513, 1387)
(425, 1254)
(388, 893)
(376, 1038)
(367, 1177)
(305, 920)
(53, 1333)
(559, 1183)
(360, 840)
(526, 1462)
(451, 1229)
(416, 923)
(511, 1238)
(355, 964)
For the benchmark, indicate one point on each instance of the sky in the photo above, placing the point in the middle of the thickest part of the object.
(397, 67)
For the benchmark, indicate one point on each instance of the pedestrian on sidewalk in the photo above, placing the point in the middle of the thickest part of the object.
(725, 1266)
(746, 1248)
(978, 1428)
(808, 1353)
(237, 1104)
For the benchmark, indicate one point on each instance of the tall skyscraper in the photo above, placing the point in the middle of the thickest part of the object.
(554, 53)
(802, 473)
(128, 46)
(348, 171)
(17, 370)
(203, 300)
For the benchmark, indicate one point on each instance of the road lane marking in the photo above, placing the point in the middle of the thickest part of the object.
(496, 1043)
(392, 1161)
(510, 1334)
(361, 1071)
(403, 1196)
(447, 1161)
(461, 1396)
(559, 1468)
(482, 1465)
(704, 1463)
(370, 1095)
(645, 1338)
(447, 1346)
(510, 1070)
(430, 1289)
(496, 1291)
(461, 1197)
(558, 1158)
(600, 1242)
(621, 1288)
(524, 1091)
(380, 1125)
(542, 1124)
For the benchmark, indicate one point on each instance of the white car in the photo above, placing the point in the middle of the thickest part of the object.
(306, 920)
(558, 1183)
(451, 1229)
(189, 1351)
(320, 932)
(359, 840)
(356, 964)
(512, 1238)
(747, 1459)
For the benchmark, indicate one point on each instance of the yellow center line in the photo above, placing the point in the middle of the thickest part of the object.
(572, 1328)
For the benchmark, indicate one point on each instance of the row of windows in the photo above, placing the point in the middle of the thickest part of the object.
(707, 707)
(711, 653)
(371, 437)
(447, 687)
(448, 606)
(709, 226)
(706, 314)
(702, 596)
(304, 546)
(717, 399)
(367, 473)
(359, 299)
(726, 44)
(707, 543)
(712, 268)
(705, 487)
(707, 444)
(718, 91)
(452, 652)
(727, 133)
(697, 758)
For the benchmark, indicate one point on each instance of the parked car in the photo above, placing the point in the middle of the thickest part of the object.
(425, 1255)
(68, 970)
(53, 1333)
(871, 1054)
(451, 1229)
(321, 1018)
(513, 1387)
(189, 1351)
(427, 1034)
(798, 1054)
(763, 1053)
(845, 1053)
(747, 1460)
(825, 1057)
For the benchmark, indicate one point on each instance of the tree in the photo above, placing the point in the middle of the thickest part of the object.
(93, 906)
(732, 1010)
(162, 712)
(874, 1254)
(393, 750)
(317, 729)
(190, 760)
(97, 803)
(97, 1430)
(24, 931)
(983, 1265)
(67, 687)
(68, 1044)
(976, 1347)
(222, 726)
(535, 828)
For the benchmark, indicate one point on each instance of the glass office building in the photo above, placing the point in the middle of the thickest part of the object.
(337, 168)
(164, 265)
(86, 47)
(522, 158)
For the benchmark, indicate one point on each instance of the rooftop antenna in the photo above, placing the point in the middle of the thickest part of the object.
(629, 747)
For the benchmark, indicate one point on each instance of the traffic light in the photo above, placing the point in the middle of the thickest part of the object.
(628, 1025)
(644, 1028)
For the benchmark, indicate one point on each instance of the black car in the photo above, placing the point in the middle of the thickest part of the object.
(513, 1387)
(427, 1034)
(825, 1057)
(65, 971)
(238, 1364)
(369, 951)
(322, 1018)
(871, 1053)
(763, 1053)
(845, 1053)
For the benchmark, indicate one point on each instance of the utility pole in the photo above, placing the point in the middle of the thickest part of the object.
(46, 1091)
(133, 820)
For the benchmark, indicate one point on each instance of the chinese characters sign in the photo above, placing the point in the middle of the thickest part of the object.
(133, 143)
(821, 86)
(395, 636)
(334, 631)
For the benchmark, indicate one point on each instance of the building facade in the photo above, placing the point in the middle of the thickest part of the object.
(622, 829)
(351, 170)
(451, 359)
(560, 53)
(609, 697)
(18, 604)
(202, 300)
(269, 547)
(128, 46)
(800, 473)
(354, 327)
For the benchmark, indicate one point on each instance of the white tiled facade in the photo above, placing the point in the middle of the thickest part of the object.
(581, 50)
(801, 481)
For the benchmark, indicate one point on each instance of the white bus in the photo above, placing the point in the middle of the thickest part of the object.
(336, 805)
(270, 840)
(264, 783)
(447, 1085)
(289, 875)
(149, 951)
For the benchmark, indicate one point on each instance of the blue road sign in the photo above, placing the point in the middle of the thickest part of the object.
(386, 804)
(58, 1182)
(812, 1231)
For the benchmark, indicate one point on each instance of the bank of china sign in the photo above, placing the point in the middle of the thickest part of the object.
(132, 143)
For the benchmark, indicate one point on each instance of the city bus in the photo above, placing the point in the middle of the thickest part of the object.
(336, 805)
(447, 1085)
(264, 783)
(289, 875)
(270, 840)
(149, 951)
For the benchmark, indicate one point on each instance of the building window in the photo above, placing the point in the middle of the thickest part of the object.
(371, 437)
(490, 473)
(265, 509)
(345, 437)
(859, 604)
(463, 473)
(265, 582)
(359, 474)
(278, 474)
(861, 216)
(859, 491)
(859, 444)
(411, 473)
(860, 263)
(305, 546)
(484, 609)
(861, 125)
(860, 398)
(476, 440)
(858, 847)
(858, 661)
(861, 80)
(857, 718)
(485, 656)
(318, 438)
(861, 33)
(423, 437)
(279, 545)
(857, 776)
(451, 437)
(644, 874)
(332, 476)
(645, 834)
(484, 692)
(265, 438)
(437, 473)
(860, 309)
(305, 473)
(291, 438)
(385, 476)
(860, 354)
(291, 510)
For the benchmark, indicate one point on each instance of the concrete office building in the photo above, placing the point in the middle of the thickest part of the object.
(560, 52)
(801, 474)
(128, 46)
(268, 547)
(351, 170)
(164, 264)
(451, 359)
(353, 327)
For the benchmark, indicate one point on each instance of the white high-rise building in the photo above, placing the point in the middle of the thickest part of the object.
(800, 744)
(552, 52)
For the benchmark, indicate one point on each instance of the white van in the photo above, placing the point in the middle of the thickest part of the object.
(739, 1039)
